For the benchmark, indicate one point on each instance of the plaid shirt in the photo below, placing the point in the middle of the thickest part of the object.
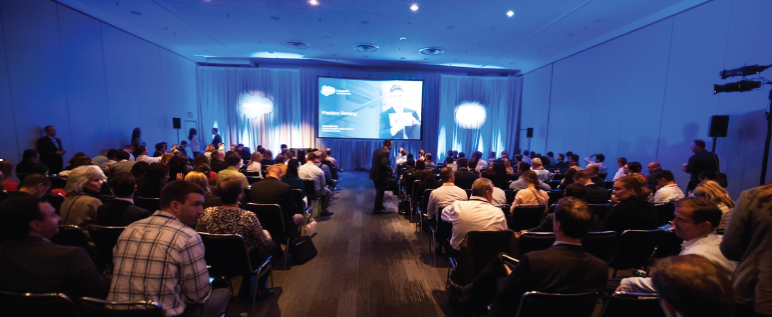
(160, 259)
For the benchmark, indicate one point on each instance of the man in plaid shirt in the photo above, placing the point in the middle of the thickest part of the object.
(161, 258)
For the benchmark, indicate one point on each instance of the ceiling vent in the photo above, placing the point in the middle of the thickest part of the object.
(432, 50)
(296, 44)
(365, 47)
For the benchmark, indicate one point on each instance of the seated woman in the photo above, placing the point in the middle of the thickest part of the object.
(531, 195)
(267, 158)
(210, 200)
(178, 166)
(6, 173)
(230, 219)
(632, 210)
(77, 160)
(209, 149)
(717, 194)
(80, 206)
(292, 179)
(254, 163)
(150, 184)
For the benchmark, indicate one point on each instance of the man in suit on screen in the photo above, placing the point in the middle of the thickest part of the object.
(395, 125)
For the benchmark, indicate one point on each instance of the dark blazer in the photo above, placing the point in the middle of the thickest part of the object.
(211, 200)
(411, 132)
(465, 178)
(633, 213)
(563, 268)
(273, 191)
(120, 213)
(216, 140)
(598, 181)
(48, 157)
(246, 154)
(27, 167)
(218, 166)
(34, 265)
(381, 167)
(595, 194)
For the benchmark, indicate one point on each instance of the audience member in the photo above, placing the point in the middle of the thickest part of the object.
(161, 258)
(712, 191)
(552, 159)
(653, 168)
(599, 161)
(477, 214)
(621, 163)
(77, 160)
(267, 158)
(200, 179)
(568, 179)
(6, 170)
(110, 159)
(508, 165)
(139, 169)
(668, 190)
(632, 211)
(691, 286)
(101, 158)
(272, 190)
(541, 173)
(501, 179)
(30, 263)
(310, 171)
(142, 157)
(160, 148)
(329, 158)
(530, 195)
(592, 170)
(594, 194)
(702, 160)
(695, 221)
(291, 177)
(520, 183)
(633, 168)
(165, 158)
(217, 162)
(499, 196)
(575, 190)
(178, 167)
(450, 162)
(232, 171)
(51, 150)
(427, 182)
(527, 157)
(445, 194)
(121, 211)
(254, 163)
(83, 187)
(230, 219)
(560, 164)
(401, 156)
(573, 162)
(747, 240)
(30, 164)
(150, 185)
(130, 149)
(34, 185)
(565, 268)
(463, 177)
(329, 176)
(481, 163)
(209, 150)
(429, 165)
(183, 149)
(244, 152)
(123, 164)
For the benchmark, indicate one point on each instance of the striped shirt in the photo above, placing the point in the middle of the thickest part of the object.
(160, 259)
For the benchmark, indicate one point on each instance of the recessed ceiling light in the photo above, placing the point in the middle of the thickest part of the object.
(313, 2)
(414, 7)
(402, 38)
(365, 47)
(136, 12)
(296, 44)
(510, 13)
(432, 50)
(276, 55)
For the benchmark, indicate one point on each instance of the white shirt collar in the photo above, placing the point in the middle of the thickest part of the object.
(700, 240)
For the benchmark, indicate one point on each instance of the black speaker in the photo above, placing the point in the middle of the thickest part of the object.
(718, 126)
(529, 133)
(176, 123)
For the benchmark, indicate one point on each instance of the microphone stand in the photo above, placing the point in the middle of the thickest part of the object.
(766, 143)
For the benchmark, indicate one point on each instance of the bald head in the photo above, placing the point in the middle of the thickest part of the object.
(274, 171)
(592, 169)
(654, 167)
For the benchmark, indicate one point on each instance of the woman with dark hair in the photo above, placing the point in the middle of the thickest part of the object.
(136, 140)
(77, 160)
(267, 158)
(192, 137)
(632, 210)
(206, 170)
(139, 169)
(301, 156)
(110, 159)
(178, 167)
(155, 178)
(568, 179)
(291, 177)
(502, 179)
(427, 182)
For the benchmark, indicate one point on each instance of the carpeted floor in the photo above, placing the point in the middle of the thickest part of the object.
(367, 265)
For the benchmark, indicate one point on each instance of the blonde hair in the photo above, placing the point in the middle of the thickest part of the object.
(507, 165)
(635, 183)
(714, 192)
(79, 176)
(6, 167)
(199, 179)
(209, 148)
(166, 158)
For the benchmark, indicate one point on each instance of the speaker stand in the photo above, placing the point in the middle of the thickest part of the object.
(178, 137)
(766, 144)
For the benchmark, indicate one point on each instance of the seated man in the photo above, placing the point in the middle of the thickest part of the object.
(310, 171)
(593, 169)
(30, 263)
(34, 185)
(123, 164)
(520, 182)
(463, 177)
(428, 164)
(594, 194)
(564, 268)
(573, 162)
(161, 258)
(668, 189)
(654, 168)
(233, 170)
(121, 211)
(332, 159)
(477, 214)
(445, 195)
(690, 285)
(142, 156)
(695, 221)
(271, 190)
(543, 174)
(30, 164)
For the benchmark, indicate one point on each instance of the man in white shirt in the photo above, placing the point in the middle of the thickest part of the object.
(543, 175)
(481, 163)
(142, 157)
(130, 149)
(477, 214)
(310, 171)
(445, 194)
(621, 162)
(401, 157)
(695, 221)
(668, 190)
(599, 158)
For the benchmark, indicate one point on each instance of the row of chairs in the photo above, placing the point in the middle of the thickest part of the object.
(627, 304)
(58, 304)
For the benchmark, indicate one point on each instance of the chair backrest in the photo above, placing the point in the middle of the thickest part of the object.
(310, 188)
(468, 193)
(526, 217)
(56, 201)
(478, 249)
(635, 248)
(297, 197)
(151, 204)
(27, 304)
(93, 307)
(425, 199)
(271, 218)
(545, 304)
(665, 213)
(71, 235)
(601, 244)
(554, 196)
(252, 174)
(600, 210)
(105, 239)
(669, 245)
(628, 304)
(558, 176)
(535, 241)
(3, 195)
(226, 254)
(510, 194)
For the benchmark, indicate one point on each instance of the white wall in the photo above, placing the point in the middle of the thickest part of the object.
(93, 82)
(647, 94)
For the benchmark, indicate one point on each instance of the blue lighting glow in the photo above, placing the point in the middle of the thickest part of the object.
(277, 55)
(467, 65)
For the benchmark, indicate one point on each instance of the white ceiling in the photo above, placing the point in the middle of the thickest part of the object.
(471, 32)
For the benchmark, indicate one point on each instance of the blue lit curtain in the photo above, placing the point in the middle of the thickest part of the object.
(500, 98)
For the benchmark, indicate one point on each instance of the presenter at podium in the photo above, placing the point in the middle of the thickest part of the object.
(399, 122)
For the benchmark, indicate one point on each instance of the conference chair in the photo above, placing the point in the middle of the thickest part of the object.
(665, 213)
(557, 176)
(227, 256)
(28, 304)
(510, 194)
(297, 197)
(313, 200)
(151, 204)
(669, 245)
(538, 304)
(468, 193)
(477, 250)
(554, 196)
(600, 210)
(106, 199)
(272, 220)
(70, 235)
(600, 244)
(525, 217)
(535, 241)
(55, 200)
(630, 304)
(105, 238)
(609, 184)
(424, 212)
(634, 249)
(94, 307)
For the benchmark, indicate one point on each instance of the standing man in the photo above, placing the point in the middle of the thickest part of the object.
(216, 139)
(702, 160)
(379, 171)
(51, 151)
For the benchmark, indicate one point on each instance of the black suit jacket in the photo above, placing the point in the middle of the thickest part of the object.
(411, 132)
(465, 178)
(599, 181)
(35, 265)
(120, 213)
(381, 166)
(563, 268)
(48, 157)
(218, 166)
(246, 154)
(632, 213)
(273, 191)
(216, 140)
(595, 194)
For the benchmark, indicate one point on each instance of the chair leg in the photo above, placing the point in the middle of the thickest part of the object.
(286, 253)
(257, 285)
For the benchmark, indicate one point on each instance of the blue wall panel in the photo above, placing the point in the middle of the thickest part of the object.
(535, 109)
(571, 97)
(121, 79)
(151, 99)
(9, 150)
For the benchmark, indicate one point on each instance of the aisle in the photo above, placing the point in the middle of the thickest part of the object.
(368, 265)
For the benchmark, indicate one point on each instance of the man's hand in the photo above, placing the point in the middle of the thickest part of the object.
(506, 267)
(683, 167)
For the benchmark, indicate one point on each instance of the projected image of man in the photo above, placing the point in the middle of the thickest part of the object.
(395, 122)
